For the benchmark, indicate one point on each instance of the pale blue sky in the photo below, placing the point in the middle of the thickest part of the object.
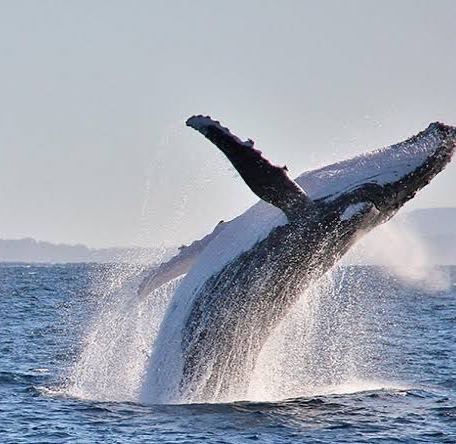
(94, 95)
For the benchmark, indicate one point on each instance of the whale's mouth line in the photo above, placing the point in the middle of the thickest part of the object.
(332, 196)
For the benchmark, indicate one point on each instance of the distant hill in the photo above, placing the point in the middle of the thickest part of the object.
(31, 250)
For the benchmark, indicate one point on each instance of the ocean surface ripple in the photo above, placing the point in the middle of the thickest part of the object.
(409, 398)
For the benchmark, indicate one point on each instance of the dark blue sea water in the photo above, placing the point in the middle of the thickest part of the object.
(408, 330)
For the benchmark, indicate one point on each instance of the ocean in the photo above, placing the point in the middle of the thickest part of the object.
(369, 357)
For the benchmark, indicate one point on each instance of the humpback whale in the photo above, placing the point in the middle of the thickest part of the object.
(244, 278)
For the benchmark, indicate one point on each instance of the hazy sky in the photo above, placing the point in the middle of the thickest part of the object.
(94, 96)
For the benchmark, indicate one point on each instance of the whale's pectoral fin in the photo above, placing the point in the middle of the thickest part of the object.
(178, 264)
(269, 182)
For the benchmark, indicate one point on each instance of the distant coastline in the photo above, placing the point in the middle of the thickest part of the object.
(433, 228)
(29, 250)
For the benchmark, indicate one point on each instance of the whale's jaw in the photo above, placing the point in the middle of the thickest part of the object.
(389, 177)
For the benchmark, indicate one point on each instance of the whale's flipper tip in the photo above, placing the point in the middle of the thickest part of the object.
(204, 124)
(199, 123)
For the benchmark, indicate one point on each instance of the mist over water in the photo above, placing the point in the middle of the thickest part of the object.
(399, 248)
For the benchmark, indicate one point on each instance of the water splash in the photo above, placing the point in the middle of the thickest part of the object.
(324, 343)
(119, 341)
(321, 346)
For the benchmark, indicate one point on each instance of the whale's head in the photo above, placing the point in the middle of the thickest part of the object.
(379, 183)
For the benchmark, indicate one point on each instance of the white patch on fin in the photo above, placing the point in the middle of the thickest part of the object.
(353, 209)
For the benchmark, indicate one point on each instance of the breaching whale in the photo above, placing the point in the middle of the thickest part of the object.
(245, 277)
